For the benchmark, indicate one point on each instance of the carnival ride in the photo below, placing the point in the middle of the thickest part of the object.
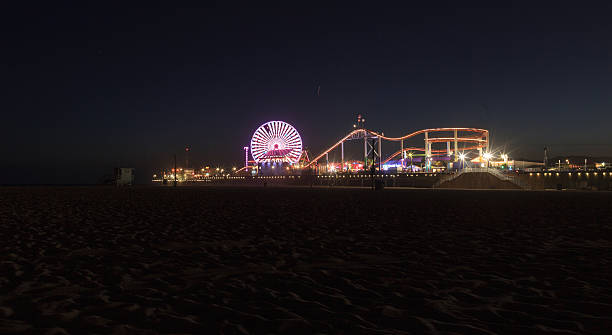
(476, 137)
(276, 141)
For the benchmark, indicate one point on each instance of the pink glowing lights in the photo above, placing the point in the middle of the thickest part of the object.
(276, 141)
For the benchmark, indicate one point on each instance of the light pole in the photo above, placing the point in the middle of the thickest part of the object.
(187, 149)
(246, 156)
(175, 170)
(411, 168)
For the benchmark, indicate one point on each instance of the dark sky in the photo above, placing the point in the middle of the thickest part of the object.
(90, 88)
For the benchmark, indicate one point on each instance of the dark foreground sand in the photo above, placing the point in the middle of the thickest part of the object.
(303, 261)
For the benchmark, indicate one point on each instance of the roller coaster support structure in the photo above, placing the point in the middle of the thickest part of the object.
(478, 139)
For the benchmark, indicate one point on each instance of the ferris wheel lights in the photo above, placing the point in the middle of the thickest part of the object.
(276, 141)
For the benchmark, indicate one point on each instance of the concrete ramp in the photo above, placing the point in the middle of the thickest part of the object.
(479, 180)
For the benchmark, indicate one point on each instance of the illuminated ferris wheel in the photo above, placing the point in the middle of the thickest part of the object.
(276, 141)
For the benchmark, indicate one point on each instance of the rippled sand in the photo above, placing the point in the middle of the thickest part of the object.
(304, 261)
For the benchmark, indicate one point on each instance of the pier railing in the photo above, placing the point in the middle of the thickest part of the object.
(498, 174)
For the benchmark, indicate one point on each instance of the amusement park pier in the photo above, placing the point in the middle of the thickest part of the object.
(427, 158)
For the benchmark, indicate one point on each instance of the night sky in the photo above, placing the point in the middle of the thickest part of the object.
(91, 88)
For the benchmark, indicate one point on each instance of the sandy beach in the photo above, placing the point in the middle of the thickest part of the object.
(304, 261)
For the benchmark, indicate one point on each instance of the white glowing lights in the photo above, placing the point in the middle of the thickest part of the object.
(276, 141)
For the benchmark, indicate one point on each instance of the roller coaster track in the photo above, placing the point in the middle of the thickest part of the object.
(434, 152)
(361, 133)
